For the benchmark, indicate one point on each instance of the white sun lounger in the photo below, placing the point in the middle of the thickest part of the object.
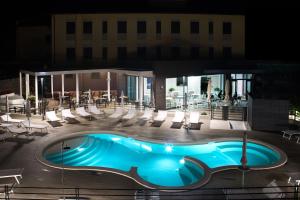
(81, 111)
(66, 113)
(29, 125)
(129, 115)
(93, 109)
(178, 118)
(10, 128)
(194, 118)
(6, 118)
(147, 115)
(118, 113)
(288, 134)
(12, 173)
(161, 116)
(51, 116)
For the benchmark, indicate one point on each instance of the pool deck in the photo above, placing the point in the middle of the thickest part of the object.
(20, 152)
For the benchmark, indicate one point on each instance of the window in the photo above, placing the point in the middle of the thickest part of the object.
(175, 52)
(87, 27)
(226, 27)
(227, 52)
(70, 27)
(122, 53)
(158, 27)
(95, 75)
(70, 54)
(195, 27)
(195, 52)
(104, 27)
(175, 27)
(141, 52)
(104, 53)
(211, 52)
(158, 52)
(141, 27)
(122, 27)
(87, 53)
(210, 28)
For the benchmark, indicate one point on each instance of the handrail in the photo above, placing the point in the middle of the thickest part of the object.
(256, 192)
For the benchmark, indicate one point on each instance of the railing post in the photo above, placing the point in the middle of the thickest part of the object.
(296, 192)
(6, 192)
(211, 111)
(77, 193)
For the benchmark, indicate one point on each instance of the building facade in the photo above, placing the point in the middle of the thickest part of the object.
(98, 38)
(172, 44)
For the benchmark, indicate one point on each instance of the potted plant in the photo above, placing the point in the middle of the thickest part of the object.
(170, 91)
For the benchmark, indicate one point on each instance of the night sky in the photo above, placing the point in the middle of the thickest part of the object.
(271, 26)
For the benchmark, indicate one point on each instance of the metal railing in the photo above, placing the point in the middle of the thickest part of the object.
(229, 113)
(43, 193)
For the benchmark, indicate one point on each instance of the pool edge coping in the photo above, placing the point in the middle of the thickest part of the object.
(132, 174)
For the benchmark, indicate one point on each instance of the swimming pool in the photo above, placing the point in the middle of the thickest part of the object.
(155, 164)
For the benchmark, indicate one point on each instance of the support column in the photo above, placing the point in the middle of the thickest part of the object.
(141, 90)
(137, 89)
(36, 92)
(20, 80)
(77, 88)
(62, 85)
(108, 86)
(52, 87)
(27, 85)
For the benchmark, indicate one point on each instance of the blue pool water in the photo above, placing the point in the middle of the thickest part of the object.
(157, 163)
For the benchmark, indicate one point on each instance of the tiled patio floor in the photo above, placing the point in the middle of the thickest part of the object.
(19, 152)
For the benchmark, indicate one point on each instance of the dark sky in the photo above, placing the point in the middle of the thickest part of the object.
(271, 26)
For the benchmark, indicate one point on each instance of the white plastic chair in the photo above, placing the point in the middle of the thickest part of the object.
(7, 118)
(93, 109)
(178, 118)
(161, 116)
(51, 116)
(194, 118)
(118, 113)
(147, 115)
(81, 111)
(66, 113)
(129, 115)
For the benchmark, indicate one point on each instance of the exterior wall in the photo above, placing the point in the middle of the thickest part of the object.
(268, 114)
(33, 43)
(185, 40)
(10, 85)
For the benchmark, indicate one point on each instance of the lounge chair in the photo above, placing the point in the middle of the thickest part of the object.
(129, 115)
(194, 118)
(118, 113)
(12, 129)
(29, 125)
(273, 191)
(94, 110)
(288, 134)
(12, 173)
(66, 113)
(81, 111)
(6, 118)
(179, 117)
(298, 139)
(161, 116)
(51, 116)
(147, 115)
